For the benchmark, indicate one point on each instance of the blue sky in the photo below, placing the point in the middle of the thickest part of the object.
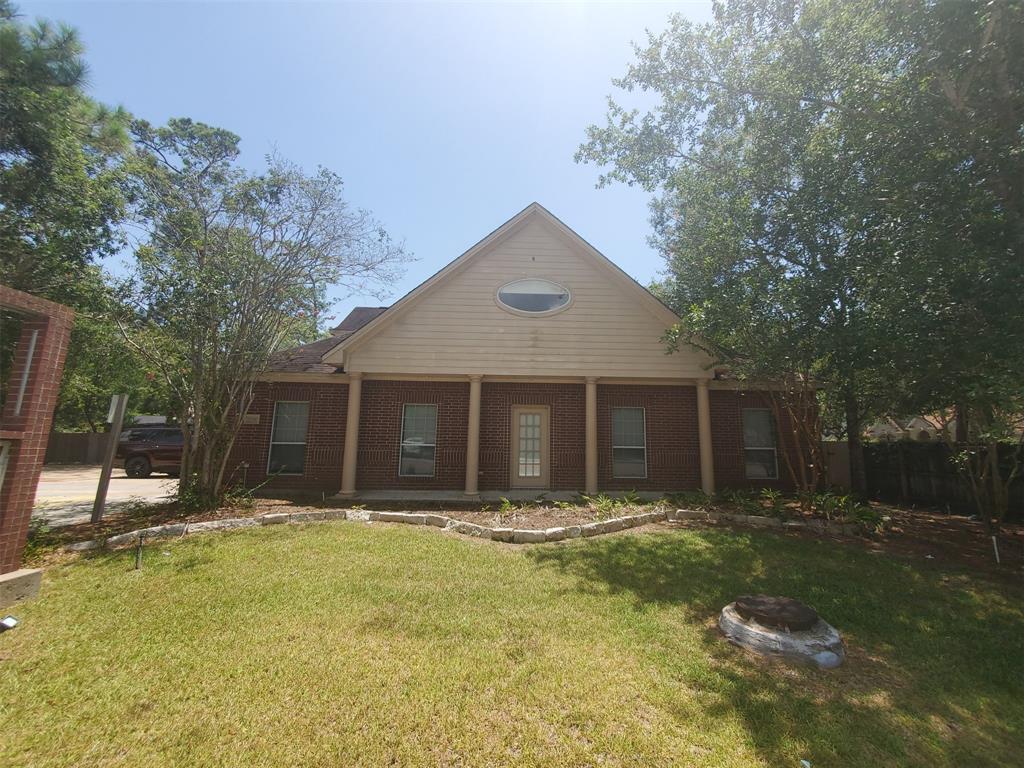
(443, 119)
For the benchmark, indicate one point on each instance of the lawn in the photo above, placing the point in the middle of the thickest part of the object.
(354, 644)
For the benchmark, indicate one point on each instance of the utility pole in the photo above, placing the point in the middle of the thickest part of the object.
(118, 403)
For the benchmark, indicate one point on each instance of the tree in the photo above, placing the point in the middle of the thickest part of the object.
(60, 195)
(233, 264)
(61, 204)
(100, 364)
(838, 194)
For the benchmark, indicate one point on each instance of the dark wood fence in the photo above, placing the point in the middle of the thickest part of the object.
(924, 473)
(76, 447)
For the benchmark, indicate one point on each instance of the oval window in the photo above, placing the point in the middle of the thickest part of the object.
(533, 295)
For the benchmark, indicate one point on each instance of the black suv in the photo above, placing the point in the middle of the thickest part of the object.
(144, 450)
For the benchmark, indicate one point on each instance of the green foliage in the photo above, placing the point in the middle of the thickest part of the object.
(775, 500)
(840, 197)
(695, 500)
(60, 176)
(235, 267)
(603, 505)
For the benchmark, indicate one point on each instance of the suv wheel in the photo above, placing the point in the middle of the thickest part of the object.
(137, 466)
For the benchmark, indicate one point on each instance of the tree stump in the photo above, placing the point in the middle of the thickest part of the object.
(781, 626)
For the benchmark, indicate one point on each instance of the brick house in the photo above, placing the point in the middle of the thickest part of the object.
(531, 363)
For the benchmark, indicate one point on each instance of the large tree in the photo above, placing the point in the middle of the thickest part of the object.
(60, 196)
(61, 207)
(838, 194)
(232, 265)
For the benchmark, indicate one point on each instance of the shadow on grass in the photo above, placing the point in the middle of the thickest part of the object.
(936, 668)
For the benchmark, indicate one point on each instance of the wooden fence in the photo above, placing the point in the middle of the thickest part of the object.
(924, 473)
(76, 447)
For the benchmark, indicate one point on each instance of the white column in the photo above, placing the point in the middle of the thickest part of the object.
(707, 462)
(473, 437)
(348, 461)
(591, 436)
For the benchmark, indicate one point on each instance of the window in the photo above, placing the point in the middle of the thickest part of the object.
(533, 296)
(629, 443)
(759, 444)
(419, 441)
(288, 439)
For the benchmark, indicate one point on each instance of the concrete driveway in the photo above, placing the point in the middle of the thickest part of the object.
(65, 494)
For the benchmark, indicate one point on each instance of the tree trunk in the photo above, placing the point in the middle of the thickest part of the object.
(858, 480)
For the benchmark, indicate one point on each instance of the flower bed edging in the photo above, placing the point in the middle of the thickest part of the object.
(505, 535)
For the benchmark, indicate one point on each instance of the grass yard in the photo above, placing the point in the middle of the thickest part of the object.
(354, 644)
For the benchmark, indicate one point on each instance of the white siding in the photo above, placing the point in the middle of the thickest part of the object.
(456, 327)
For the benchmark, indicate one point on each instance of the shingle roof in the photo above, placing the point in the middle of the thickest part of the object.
(307, 358)
(357, 318)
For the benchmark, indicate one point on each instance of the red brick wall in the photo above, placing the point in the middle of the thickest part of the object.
(673, 445)
(727, 439)
(324, 442)
(28, 430)
(673, 454)
(568, 431)
(380, 434)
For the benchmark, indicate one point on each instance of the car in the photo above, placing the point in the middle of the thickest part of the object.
(144, 450)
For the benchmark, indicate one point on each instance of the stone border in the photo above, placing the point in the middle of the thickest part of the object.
(505, 535)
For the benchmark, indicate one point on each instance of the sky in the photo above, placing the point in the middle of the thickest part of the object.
(444, 120)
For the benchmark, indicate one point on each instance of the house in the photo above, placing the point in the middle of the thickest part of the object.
(529, 364)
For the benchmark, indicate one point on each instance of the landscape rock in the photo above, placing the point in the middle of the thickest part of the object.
(502, 534)
(307, 517)
(335, 514)
(274, 518)
(223, 525)
(439, 521)
(554, 534)
(400, 517)
(520, 536)
(123, 539)
(469, 529)
(573, 531)
(592, 529)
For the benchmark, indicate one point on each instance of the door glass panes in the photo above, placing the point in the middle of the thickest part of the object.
(529, 445)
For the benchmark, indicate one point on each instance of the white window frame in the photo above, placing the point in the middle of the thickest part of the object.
(401, 442)
(526, 313)
(273, 442)
(774, 449)
(643, 416)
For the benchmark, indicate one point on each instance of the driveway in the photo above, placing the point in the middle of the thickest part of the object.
(65, 494)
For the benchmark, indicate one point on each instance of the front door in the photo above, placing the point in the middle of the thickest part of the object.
(530, 446)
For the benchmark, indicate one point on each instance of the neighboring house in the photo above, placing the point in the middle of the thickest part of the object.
(916, 428)
(530, 363)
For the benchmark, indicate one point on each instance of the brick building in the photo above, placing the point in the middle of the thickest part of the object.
(531, 363)
(32, 383)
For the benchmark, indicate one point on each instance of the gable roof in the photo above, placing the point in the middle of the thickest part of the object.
(356, 319)
(645, 298)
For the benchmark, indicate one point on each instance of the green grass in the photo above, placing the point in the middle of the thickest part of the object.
(347, 644)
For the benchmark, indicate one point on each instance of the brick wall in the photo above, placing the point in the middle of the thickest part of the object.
(673, 445)
(380, 434)
(673, 453)
(27, 430)
(727, 439)
(568, 431)
(324, 442)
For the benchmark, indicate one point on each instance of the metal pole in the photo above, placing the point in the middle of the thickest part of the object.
(117, 406)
